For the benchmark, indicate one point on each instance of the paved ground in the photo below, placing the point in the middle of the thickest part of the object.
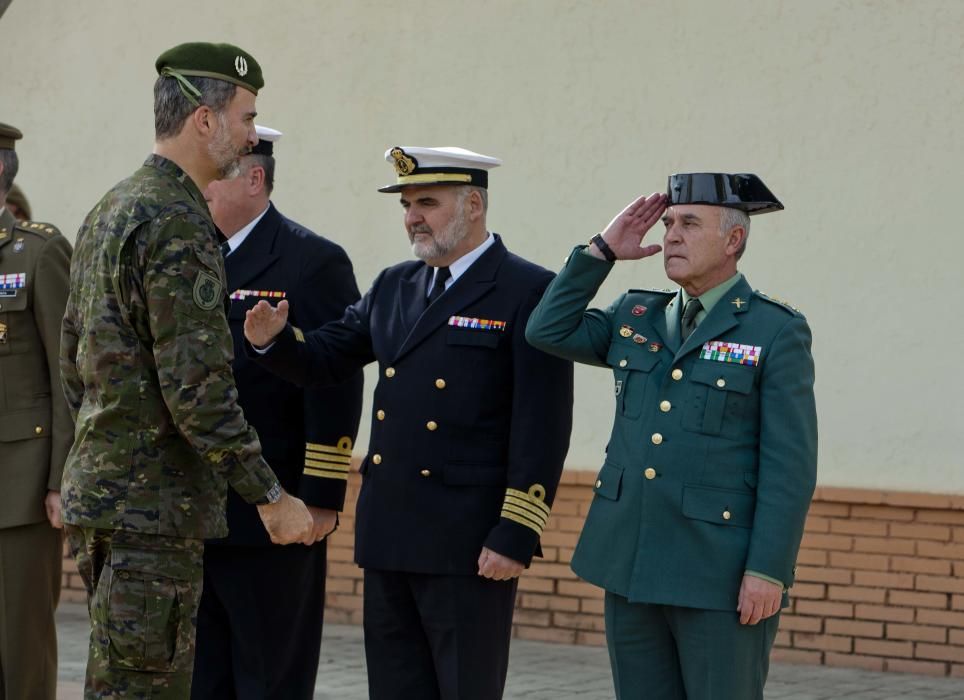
(540, 671)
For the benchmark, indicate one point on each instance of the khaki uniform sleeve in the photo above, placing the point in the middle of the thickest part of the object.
(51, 286)
(184, 285)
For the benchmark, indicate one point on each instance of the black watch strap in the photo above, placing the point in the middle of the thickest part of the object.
(603, 247)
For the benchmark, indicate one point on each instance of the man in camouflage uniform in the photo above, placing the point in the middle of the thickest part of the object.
(145, 363)
(35, 434)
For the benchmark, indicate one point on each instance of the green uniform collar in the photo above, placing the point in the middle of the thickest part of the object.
(710, 298)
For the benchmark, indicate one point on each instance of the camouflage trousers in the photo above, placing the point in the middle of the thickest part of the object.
(143, 593)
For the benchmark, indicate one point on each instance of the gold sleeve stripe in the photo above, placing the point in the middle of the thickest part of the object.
(525, 515)
(522, 521)
(343, 447)
(533, 497)
(326, 464)
(523, 507)
(299, 334)
(328, 457)
(325, 474)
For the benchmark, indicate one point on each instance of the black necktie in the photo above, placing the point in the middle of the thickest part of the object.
(225, 249)
(441, 275)
(688, 323)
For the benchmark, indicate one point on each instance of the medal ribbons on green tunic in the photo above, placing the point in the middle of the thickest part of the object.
(13, 280)
(483, 324)
(722, 351)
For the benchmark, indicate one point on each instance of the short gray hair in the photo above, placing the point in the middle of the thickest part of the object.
(466, 190)
(11, 164)
(172, 108)
(266, 163)
(731, 218)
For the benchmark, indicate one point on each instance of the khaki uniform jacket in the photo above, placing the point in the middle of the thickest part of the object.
(35, 425)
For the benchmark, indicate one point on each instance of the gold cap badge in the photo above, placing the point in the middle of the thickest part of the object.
(404, 163)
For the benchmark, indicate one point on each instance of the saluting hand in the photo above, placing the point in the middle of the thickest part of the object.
(624, 234)
(263, 322)
(498, 567)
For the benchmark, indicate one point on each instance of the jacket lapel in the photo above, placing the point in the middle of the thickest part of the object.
(474, 283)
(7, 222)
(410, 303)
(671, 321)
(722, 318)
(256, 253)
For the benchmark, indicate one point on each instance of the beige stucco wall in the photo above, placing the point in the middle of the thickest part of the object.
(853, 113)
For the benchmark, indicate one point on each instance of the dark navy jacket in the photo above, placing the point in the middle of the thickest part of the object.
(470, 424)
(306, 434)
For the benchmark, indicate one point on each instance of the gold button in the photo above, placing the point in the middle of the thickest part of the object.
(425, 472)
(390, 372)
(726, 515)
(598, 483)
(650, 473)
(439, 383)
(380, 415)
(623, 363)
(677, 375)
(721, 382)
(38, 430)
(664, 406)
(657, 438)
(376, 459)
(432, 425)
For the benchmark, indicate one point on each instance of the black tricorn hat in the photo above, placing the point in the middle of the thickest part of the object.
(743, 191)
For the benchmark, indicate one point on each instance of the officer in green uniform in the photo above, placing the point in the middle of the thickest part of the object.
(700, 504)
(35, 434)
(145, 363)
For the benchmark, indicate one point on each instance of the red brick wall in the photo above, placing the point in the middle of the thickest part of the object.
(880, 581)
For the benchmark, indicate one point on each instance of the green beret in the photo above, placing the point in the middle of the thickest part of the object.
(9, 135)
(205, 60)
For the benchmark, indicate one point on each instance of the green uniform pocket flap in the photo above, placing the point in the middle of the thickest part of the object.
(609, 481)
(719, 375)
(719, 506)
(473, 475)
(24, 425)
(631, 356)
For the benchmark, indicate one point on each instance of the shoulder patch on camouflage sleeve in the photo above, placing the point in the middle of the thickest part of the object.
(207, 291)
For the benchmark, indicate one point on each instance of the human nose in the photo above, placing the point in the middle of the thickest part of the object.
(252, 136)
(412, 217)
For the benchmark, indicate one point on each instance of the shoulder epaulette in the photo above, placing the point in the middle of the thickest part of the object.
(778, 302)
(38, 227)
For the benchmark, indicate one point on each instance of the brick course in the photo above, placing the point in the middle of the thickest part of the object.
(880, 581)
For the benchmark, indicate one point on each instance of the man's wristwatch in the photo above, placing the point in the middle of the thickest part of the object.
(603, 247)
(273, 496)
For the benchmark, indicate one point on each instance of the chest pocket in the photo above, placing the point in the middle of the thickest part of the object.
(632, 365)
(718, 397)
(14, 323)
(473, 338)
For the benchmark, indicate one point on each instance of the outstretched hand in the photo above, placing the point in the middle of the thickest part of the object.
(624, 234)
(263, 322)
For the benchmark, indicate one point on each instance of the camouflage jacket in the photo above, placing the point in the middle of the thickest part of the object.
(146, 366)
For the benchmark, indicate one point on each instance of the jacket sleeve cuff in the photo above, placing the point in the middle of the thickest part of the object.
(325, 477)
(757, 574)
(523, 519)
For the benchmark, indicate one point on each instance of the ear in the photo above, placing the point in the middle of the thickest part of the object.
(255, 179)
(473, 206)
(205, 121)
(734, 240)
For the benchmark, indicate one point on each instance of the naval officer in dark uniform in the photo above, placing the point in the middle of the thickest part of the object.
(36, 432)
(700, 505)
(469, 433)
(260, 620)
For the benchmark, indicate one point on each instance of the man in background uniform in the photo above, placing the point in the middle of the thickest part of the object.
(35, 434)
(469, 433)
(146, 366)
(699, 508)
(18, 204)
(260, 621)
